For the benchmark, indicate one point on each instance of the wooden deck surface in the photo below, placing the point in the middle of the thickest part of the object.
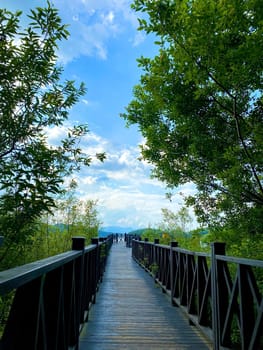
(131, 312)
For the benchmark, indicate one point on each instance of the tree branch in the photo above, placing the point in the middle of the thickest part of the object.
(198, 62)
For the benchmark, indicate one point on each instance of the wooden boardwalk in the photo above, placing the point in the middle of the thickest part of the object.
(131, 312)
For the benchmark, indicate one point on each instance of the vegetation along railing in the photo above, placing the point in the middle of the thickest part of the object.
(221, 295)
(51, 298)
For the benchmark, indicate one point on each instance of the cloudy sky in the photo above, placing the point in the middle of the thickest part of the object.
(102, 52)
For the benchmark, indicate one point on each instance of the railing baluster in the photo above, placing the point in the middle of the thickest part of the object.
(217, 249)
(202, 285)
(52, 297)
(172, 270)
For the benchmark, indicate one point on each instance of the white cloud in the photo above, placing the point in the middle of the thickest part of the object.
(93, 24)
(122, 184)
(127, 195)
(136, 209)
(129, 157)
(138, 39)
(86, 102)
(92, 137)
(55, 134)
(88, 180)
(108, 18)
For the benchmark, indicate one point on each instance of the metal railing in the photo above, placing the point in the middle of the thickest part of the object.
(130, 238)
(221, 295)
(51, 298)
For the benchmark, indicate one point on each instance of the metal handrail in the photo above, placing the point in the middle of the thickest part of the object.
(220, 294)
(51, 297)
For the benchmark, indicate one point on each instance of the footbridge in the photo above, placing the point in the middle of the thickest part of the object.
(150, 296)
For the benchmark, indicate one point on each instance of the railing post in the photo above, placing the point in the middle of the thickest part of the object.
(217, 248)
(145, 252)
(102, 256)
(78, 243)
(94, 240)
(156, 241)
(172, 245)
(133, 247)
(155, 258)
(96, 268)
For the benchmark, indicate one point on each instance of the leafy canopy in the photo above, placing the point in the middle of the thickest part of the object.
(33, 99)
(199, 105)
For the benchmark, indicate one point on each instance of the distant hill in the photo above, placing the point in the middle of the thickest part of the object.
(116, 229)
(103, 232)
(142, 230)
(138, 232)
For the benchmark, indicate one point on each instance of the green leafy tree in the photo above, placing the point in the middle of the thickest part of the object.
(32, 99)
(199, 105)
(179, 221)
(176, 227)
(78, 218)
(52, 234)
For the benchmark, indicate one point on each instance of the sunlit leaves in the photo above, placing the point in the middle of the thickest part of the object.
(33, 99)
(198, 103)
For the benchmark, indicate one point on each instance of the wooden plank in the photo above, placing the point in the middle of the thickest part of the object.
(132, 312)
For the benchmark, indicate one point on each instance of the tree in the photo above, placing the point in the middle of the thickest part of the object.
(199, 105)
(175, 224)
(72, 217)
(52, 233)
(78, 218)
(32, 99)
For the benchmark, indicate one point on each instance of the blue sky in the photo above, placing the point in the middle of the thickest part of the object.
(102, 52)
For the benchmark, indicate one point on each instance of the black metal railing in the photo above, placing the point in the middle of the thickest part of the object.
(129, 238)
(51, 298)
(221, 295)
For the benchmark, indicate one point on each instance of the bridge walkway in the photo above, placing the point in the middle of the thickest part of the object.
(131, 312)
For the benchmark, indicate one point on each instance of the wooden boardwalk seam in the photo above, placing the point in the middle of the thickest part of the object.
(131, 312)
